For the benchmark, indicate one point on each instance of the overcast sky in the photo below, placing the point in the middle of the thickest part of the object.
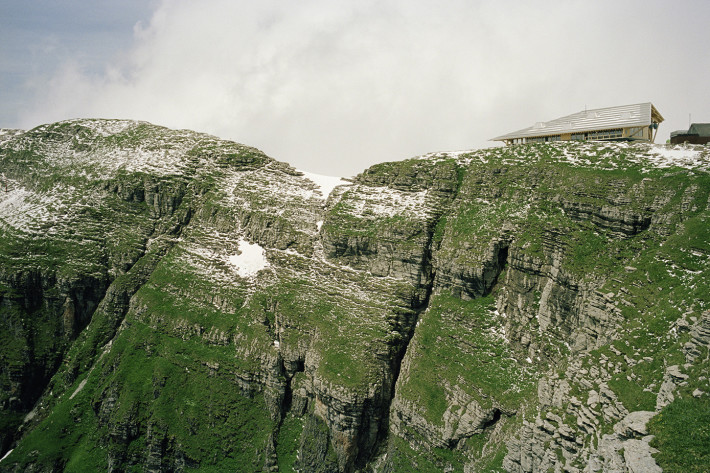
(334, 86)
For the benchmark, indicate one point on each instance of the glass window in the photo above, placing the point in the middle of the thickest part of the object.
(543, 139)
(605, 134)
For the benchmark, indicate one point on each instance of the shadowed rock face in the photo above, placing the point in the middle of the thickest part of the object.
(170, 301)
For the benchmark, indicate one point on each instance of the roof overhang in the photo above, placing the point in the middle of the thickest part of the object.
(624, 116)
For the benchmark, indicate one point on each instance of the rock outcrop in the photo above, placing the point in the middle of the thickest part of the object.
(170, 301)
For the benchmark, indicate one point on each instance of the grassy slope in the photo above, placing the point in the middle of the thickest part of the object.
(658, 277)
(158, 363)
(191, 311)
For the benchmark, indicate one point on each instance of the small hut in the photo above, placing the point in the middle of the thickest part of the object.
(697, 134)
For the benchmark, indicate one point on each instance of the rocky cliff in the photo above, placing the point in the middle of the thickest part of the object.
(170, 301)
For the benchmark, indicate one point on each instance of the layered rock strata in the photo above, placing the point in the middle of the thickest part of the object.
(171, 301)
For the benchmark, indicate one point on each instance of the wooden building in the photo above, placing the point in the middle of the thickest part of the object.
(697, 134)
(637, 122)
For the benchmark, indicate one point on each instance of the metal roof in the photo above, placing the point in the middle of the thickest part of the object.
(696, 129)
(589, 120)
(700, 129)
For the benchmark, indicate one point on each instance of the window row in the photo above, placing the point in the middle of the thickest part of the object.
(598, 135)
(539, 139)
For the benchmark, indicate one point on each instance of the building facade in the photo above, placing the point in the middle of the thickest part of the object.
(638, 122)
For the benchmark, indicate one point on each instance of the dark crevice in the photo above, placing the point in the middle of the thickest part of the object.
(109, 309)
(287, 402)
(418, 305)
(503, 256)
(288, 399)
(286, 406)
(484, 428)
(500, 260)
(52, 308)
(493, 420)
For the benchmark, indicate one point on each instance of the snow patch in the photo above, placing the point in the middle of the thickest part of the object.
(27, 211)
(662, 156)
(7, 454)
(106, 127)
(387, 202)
(6, 134)
(161, 151)
(463, 156)
(250, 258)
(79, 388)
(325, 184)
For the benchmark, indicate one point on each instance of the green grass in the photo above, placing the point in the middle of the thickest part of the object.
(348, 322)
(454, 346)
(682, 431)
(164, 392)
(632, 395)
(287, 443)
(402, 456)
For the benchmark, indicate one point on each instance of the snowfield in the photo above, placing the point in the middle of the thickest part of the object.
(388, 202)
(250, 259)
(678, 155)
(325, 184)
(25, 210)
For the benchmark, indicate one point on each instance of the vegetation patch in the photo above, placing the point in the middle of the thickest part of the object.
(682, 431)
(456, 345)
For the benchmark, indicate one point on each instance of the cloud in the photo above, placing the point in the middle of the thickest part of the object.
(335, 86)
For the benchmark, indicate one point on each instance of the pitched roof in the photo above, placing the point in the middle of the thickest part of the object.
(700, 129)
(598, 119)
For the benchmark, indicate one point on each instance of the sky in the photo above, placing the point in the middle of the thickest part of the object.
(334, 86)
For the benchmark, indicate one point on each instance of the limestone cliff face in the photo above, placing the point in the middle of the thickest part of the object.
(171, 301)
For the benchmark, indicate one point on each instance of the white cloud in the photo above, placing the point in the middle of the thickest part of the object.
(334, 86)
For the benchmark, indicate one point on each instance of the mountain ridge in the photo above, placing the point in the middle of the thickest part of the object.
(409, 320)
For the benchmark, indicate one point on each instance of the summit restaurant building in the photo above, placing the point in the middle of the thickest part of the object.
(637, 122)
